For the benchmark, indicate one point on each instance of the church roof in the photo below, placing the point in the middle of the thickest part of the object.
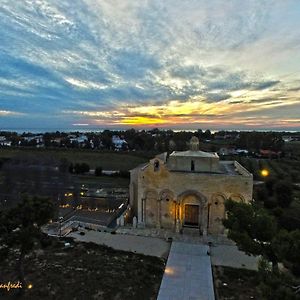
(190, 153)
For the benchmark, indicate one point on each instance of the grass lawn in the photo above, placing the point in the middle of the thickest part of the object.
(87, 271)
(107, 160)
(235, 284)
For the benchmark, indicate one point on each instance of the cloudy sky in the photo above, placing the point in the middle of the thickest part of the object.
(174, 64)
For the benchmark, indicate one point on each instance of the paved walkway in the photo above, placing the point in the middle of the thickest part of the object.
(188, 274)
(230, 256)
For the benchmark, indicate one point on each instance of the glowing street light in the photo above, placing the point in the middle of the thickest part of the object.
(264, 173)
(29, 286)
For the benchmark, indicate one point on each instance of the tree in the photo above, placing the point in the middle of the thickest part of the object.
(98, 171)
(85, 168)
(270, 182)
(20, 228)
(207, 134)
(256, 233)
(287, 245)
(283, 193)
(252, 228)
(71, 168)
(261, 194)
(81, 168)
(276, 286)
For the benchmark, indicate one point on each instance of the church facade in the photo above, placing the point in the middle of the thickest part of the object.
(187, 189)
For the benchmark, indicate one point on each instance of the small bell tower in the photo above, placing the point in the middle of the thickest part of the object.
(194, 144)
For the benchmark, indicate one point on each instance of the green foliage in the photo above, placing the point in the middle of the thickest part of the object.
(284, 193)
(255, 231)
(81, 168)
(270, 203)
(261, 194)
(276, 285)
(20, 227)
(289, 219)
(287, 246)
(270, 182)
(124, 174)
(252, 228)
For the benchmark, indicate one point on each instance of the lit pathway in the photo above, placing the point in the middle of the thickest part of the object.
(188, 274)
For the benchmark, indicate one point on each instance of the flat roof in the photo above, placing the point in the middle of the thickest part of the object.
(191, 153)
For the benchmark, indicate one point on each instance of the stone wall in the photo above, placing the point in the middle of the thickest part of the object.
(160, 196)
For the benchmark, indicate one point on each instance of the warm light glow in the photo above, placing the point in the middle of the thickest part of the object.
(68, 194)
(194, 111)
(29, 286)
(169, 271)
(64, 205)
(264, 173)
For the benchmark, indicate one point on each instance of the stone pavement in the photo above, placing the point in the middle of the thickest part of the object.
(138, 244)
(188, 274)
(230, 256)
(189, 235)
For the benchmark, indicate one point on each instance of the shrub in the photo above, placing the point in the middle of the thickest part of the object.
(261, 194)
(270, 182)
(289, 220)
(98, 171)
(270, 203)
(124, 173)
(81, 168)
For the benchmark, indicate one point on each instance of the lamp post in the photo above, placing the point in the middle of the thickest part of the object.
(60, 221)
(264, 173)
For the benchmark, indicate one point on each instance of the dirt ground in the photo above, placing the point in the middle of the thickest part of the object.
(235, 284)
(85, 271)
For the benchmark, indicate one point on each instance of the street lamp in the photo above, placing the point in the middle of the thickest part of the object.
(264, 173)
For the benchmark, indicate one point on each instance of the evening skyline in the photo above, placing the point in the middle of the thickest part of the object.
(171, 64)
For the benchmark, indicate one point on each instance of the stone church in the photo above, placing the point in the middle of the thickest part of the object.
(187, 189)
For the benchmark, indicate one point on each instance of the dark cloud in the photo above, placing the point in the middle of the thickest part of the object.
(265, 85)
(211, 98)
(295, 89)
(188, 72)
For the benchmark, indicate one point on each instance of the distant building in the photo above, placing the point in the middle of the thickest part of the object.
(4, 142)
(242, 151)
(290, 138)
(187, 189)
(227, 151)
(269, 153)
(37, 140)
(57, 140)
(118, 142)
(80, 140)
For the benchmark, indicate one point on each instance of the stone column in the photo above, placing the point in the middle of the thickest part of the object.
(141, 212)
(178, 218)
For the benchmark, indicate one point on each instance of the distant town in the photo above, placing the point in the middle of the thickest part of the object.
(259, 143)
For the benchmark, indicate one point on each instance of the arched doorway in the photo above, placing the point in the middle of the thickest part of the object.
(192, 209)
(191, 215)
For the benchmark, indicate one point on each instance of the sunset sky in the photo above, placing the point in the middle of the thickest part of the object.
(181, 64)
